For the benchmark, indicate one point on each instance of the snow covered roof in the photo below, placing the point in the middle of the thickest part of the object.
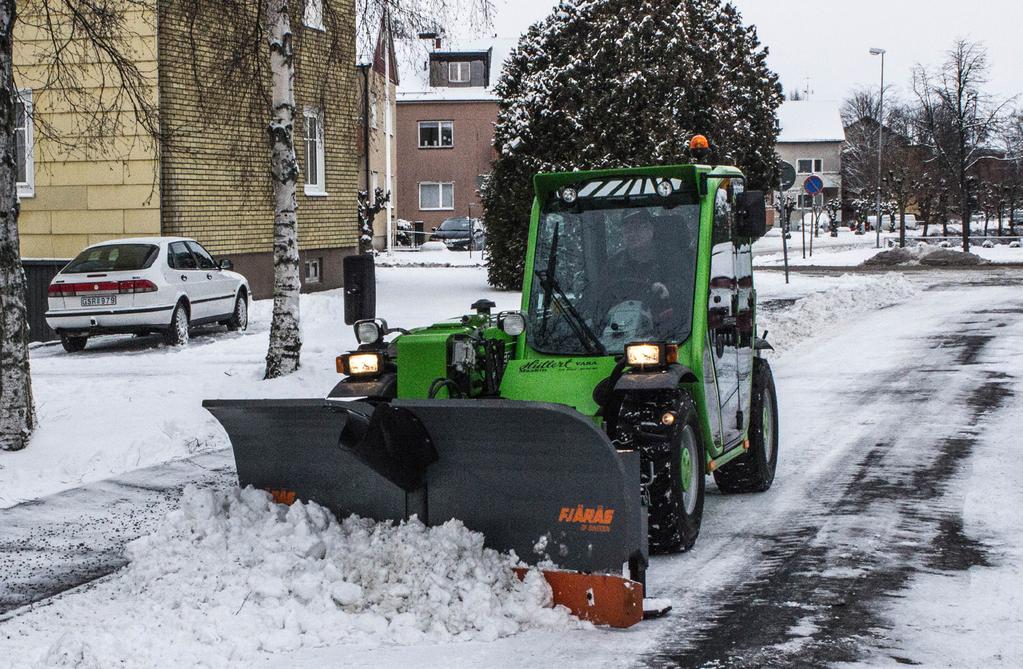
(810, 121)
(415, 71)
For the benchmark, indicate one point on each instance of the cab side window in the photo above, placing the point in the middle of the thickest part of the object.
(179, 257)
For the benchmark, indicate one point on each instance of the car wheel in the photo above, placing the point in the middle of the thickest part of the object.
(177, 333)
(240, 317)
(73, 344)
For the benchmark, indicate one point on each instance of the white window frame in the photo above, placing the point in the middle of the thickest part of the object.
(816, 165)
(455, 68)
(317, 188)
(440, 195)
(440, 134)
(313, 15)
(27, 188)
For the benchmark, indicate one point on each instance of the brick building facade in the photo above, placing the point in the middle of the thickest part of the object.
(209, 178)
(445, 132)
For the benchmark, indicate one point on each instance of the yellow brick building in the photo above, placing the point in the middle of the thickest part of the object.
(208, 175)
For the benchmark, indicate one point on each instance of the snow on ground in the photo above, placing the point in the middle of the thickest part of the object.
(231, 576)
(226, 576)
(126, 403)
(430, 254)
(838, 256)
(811, 316)
(771, 243)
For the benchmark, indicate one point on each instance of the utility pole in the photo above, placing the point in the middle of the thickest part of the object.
(880, 139)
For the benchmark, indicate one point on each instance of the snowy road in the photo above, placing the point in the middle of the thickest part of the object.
(887, 538)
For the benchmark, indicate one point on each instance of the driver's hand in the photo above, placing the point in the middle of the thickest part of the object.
(660, 290)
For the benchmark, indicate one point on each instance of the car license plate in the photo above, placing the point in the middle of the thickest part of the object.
(99, 301)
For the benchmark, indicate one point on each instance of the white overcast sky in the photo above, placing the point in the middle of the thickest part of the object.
(828, 41)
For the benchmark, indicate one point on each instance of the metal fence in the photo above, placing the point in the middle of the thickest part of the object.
(38, 274)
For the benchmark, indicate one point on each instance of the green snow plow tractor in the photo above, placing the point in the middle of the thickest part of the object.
(578, 429)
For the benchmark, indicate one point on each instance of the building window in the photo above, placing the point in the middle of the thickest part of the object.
(23, 144)
(373, 112)
(810, 165)
(313, 270)
(374, 183)
(315, 159)
(436, 196)
(436, 134)
(314, 14)
(458, 72)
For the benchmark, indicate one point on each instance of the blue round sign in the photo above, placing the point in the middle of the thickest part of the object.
(813, 185)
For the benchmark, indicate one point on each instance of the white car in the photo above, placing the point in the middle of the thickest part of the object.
(143, 285)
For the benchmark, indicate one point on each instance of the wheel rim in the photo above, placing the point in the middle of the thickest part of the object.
(767, 427)
(690, 470)
(242, 314)
(181, 325)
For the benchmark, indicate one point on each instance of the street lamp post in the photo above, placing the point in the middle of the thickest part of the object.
(880, 139)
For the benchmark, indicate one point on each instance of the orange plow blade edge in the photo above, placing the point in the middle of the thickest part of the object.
(601, 599)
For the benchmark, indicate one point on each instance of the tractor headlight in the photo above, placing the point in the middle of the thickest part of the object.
(370, 332)
(362, 363)
(512, 323)
(665, 189)
(650, 354)
(569, 195)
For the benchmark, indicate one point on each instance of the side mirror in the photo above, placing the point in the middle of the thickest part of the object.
(225, 263)
(750, 215)
(360, 288)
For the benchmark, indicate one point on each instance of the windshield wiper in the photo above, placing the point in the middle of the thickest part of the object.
(582, 331)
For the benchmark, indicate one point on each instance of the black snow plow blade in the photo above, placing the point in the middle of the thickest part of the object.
(539, 479)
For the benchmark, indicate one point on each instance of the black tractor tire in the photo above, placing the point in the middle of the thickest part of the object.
(674, 517)
(753, 471)
(73, 344)
(239, 319)
(176, 333)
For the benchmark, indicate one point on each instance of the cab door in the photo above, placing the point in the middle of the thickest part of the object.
(722, 332)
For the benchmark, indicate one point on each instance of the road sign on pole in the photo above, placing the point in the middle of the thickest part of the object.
(813, 185)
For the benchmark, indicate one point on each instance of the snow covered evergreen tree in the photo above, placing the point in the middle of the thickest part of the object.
(610, 83)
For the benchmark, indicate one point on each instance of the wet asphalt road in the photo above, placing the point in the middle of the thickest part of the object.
(808, 578)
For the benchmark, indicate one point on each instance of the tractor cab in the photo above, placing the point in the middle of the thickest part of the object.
(615, 262)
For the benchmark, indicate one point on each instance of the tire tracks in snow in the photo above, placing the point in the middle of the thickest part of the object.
(815, 594)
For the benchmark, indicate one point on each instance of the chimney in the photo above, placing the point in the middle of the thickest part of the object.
(435, 36)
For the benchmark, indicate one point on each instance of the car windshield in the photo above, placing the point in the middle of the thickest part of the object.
(456, 224)
(113, 258)
(610, 275)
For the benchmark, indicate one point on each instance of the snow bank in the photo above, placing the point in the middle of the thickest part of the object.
(810, 315)
(231, 576)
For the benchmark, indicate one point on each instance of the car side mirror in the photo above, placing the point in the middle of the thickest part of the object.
(433, 229)
(225, 263)
(360, 288)
(750, 215)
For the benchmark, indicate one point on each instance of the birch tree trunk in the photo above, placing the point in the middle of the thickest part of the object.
(285, 336)
(17, 411)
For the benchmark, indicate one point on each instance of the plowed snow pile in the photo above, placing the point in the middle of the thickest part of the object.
(231, 575)
(812, 315)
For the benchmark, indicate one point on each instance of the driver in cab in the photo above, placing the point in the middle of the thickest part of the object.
(634, 272)
(637, 298)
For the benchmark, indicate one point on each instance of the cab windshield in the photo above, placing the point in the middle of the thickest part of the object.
(609, 272)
